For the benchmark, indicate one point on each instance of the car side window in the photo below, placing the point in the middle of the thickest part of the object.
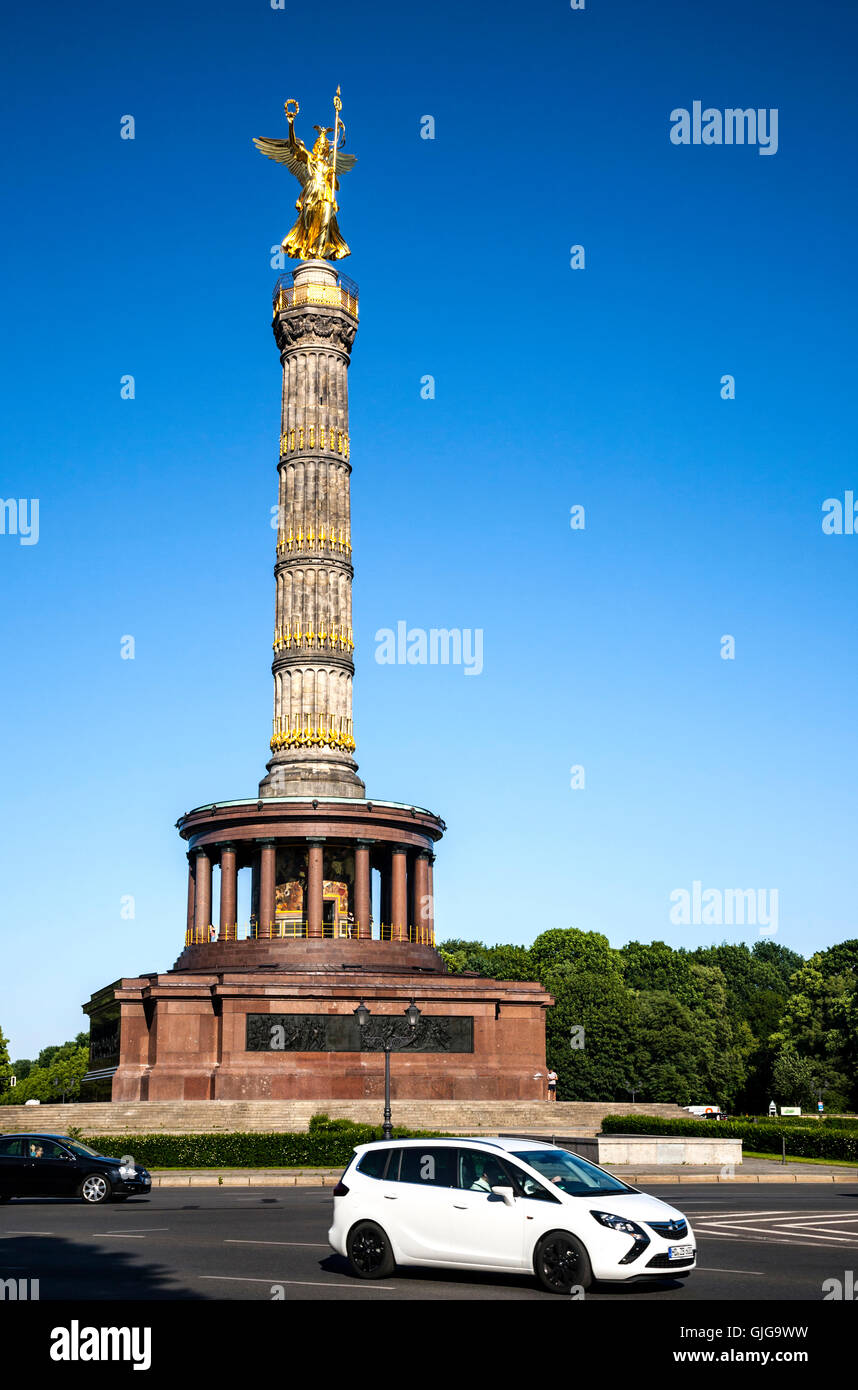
(11, 1148)
(43, 1148)
(373, 1163)
(480, 1172)
(428, 1165)
(526, 1186)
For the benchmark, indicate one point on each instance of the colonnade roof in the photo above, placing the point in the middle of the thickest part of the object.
(369, 802)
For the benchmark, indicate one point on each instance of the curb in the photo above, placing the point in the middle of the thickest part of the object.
(740, 1178)
(330, 1180)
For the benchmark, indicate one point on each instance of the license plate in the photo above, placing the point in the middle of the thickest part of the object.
(680, 1252)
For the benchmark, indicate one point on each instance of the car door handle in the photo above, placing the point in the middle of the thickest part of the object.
(460, 1206)
(391, 1197)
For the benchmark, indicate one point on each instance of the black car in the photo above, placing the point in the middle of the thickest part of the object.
(52, 1165)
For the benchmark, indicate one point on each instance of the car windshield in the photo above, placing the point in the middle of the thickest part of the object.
(82, 1150)
(571, 1174)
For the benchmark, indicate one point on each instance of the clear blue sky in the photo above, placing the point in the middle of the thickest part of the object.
(554, 387)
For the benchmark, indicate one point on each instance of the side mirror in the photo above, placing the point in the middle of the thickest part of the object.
(506, 1193)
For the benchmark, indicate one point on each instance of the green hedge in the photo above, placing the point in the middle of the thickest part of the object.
(813, 1140)
(328, 1144)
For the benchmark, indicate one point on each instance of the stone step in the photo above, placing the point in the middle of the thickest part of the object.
(261, 1116)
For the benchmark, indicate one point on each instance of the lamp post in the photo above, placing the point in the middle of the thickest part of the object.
(363, 1014)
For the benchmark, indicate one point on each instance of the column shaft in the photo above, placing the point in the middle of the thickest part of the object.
(228, 892)
(191, 895)
(203, 895)
(421, 895)
(363, 891)
(267, 871)
(398, 893)
(315, 889)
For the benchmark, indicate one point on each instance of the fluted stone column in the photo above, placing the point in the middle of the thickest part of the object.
(315, 322)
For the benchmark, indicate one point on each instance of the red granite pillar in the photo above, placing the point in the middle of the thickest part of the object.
(228, 893)
(363, 889)
(267, 870)
(191, 904)
(430, 918)
(202, 896)
(384, 904)
(398, 893)
(315, 889)
(421, 895)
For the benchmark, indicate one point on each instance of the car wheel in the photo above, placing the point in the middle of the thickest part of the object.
(560, 1263)
(95, 1188)
(369, 1252)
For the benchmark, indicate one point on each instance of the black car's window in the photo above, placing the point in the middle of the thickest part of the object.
(480, 1172)
(373, 1163)
(44, 1148)
(429, 1166)
(11, 1148)
(82, 1150)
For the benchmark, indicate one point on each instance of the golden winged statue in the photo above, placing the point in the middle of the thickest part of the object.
(315, 234)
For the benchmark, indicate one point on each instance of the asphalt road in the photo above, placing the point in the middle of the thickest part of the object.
(765, 1243)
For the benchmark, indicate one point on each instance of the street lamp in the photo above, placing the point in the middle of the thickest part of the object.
(362, 1014)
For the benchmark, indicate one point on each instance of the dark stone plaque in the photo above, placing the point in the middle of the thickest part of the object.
(343, 1033)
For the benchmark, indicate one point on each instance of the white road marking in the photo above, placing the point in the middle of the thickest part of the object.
(295, 1244)
(303, 1283)
(710, 1269)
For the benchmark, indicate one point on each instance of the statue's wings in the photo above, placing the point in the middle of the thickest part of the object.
(345, 163)
(281, 151)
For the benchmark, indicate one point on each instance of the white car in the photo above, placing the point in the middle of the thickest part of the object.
(511, 1205)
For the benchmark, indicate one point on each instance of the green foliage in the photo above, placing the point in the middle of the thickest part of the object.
(327, 1144)
(5, 1065)
(810, 1140)
(62, 1075)
(686, 1026)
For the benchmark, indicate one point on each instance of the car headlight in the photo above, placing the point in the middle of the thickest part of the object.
(617, 1223)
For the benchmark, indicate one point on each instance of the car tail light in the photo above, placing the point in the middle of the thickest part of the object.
(341, 1190)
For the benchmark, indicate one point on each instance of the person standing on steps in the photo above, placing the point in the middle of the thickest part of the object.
(552, 1085)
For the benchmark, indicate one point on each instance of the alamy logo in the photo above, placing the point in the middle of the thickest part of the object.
(440, 646)
(19, 1290)
(839, 519)
(714, 907)
(14, 522)
(76, 1343)
(841, 1289)
(733, 126)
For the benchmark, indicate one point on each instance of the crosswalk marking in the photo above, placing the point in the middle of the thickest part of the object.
(817, 1229)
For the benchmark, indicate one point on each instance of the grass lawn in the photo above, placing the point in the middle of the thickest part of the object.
(825, 1162)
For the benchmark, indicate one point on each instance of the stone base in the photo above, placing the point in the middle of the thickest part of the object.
(183, 1034)
(311, 777)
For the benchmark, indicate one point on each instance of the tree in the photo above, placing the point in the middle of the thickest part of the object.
(5, 1064)
(66, 1066)
(794, 1080)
